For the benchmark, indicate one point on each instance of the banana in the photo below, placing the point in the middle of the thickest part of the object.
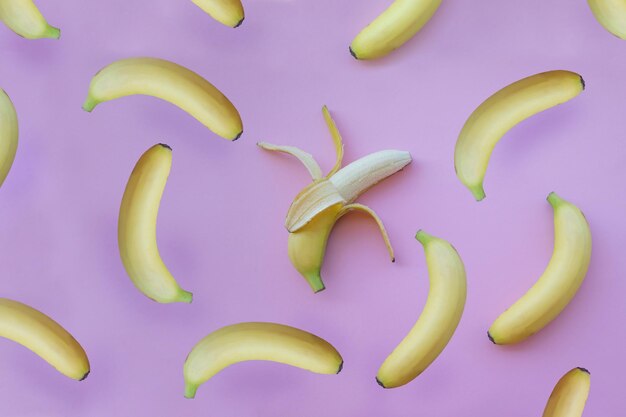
(500, 112)
(258, 341)
(569, 395)
(316, 209)
(8, 135)
(170, 82)
(23, 18)
(395, 26)
(437, 323)
(227, 12)
(559, 282)
(44, 336)
(137, 228)
(611, 14)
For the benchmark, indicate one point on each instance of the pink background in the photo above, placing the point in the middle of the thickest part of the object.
(221, 220)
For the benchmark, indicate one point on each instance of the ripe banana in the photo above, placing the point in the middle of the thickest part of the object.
(437, 323)
(8, 135)
(569, 395)
(44, 336)
(137, 228)
(227, 12)
(557, 285)
(316, 209)
(395, 26)
(171, 82)
(23, 18)
(258, 341)
(611, 14)
(500, 112)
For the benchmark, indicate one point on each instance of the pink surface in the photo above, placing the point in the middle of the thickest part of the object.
(221, 221)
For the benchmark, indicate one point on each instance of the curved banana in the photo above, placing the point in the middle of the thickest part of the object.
(316, 209)
(44, 336)
(25, 19)
(137, 228)
(569, 395)
(170, 82)
(437, 323)
(8, 135)
(258, 342)
(395, 26)
(559, 282)
(611, 14)
(227, 12)
(500, 112)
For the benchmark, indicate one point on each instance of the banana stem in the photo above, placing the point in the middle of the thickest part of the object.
(89, 104)
(190, 390)
(315, 281)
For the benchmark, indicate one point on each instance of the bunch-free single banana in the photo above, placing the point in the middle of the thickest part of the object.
(437, 323)
(316, 209)
(44, 336)
(559, 282)
(611, 14)
(569, 395)
(136, 231)
(501, 112)
(227, 12)
(395, 26)
(258, 341)
(8, 135)
(25, 19)
(170, 82)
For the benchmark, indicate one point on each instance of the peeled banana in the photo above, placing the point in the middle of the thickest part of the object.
(569, 395)
(559, 282)
(227, 12)
(8, 135)
(316, 209)
(396, 25)
(137, 228)
(258, 341)
(437, 323)
(500, 112)
(25, 19)
(170, 82)
(44, 336)
(611, 14)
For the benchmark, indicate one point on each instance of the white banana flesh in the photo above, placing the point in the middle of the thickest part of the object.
(227, 12)
(570, 395)
(8, 135)
(395, 26)
(170, 82)
(24, 18)
(137, 228)
(558, 284)
(439, 319)
(316, 209)
(611, 14)
(501, 112)
(258, 341)
(44, 336)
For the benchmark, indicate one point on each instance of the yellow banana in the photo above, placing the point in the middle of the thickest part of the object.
(315, 210)
(8, 135)
(500, 112)
(437, 323)
(395, 26)
(559, 282)
(258, 342)
(44, 336)
(25, 19)
(137, 228)
(611, 14)
(569, 395)
(170, 82)
(227, 12)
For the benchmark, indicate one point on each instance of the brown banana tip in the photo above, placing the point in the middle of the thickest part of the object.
(491, 338)
(584, 370)
(379, 382)
(238, 136)
(239, 23)
(582, 82)
(85, 376)
(340, 367)
(352, 53)
(166, 146)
